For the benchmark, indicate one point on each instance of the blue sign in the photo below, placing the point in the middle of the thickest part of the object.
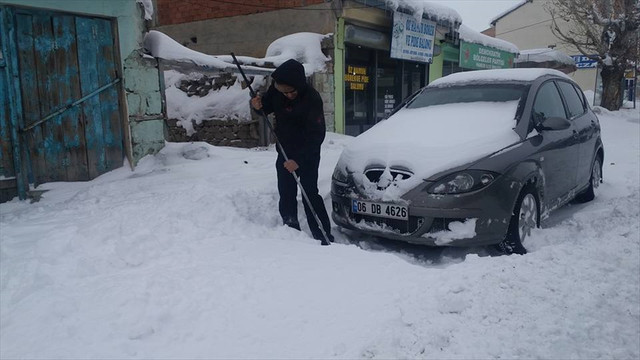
(584, 62)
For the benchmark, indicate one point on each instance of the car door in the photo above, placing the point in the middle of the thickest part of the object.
(585, 126)
(559, 149)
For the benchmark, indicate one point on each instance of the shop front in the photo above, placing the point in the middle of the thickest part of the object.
(381, 58)
(374, 84)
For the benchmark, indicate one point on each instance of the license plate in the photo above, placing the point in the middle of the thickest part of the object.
(390, 211)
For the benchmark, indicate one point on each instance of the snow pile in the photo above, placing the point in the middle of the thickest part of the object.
(226, 103)
(469, 35)
(186, 258)
(304, 47)
(432, 10)
(148, 8)
(164, 47)
(544, 55)
(494, 75)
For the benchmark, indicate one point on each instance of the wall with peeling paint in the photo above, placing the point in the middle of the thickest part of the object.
(141, 77)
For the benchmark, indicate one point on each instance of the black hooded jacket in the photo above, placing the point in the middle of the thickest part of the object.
(300, 125)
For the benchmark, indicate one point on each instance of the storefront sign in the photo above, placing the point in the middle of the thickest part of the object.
(474, 56)
(356, 77)
(584, 62)
(412, 39)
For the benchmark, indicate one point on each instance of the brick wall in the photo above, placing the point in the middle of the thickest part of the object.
(183, 11)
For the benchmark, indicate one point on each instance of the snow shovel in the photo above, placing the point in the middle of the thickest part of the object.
(325, 240)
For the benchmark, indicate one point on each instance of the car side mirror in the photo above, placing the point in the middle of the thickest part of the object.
(554, 123)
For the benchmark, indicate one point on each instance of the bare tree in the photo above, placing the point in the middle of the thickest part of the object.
(605, 31)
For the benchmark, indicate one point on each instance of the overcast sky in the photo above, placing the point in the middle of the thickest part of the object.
(477, 14)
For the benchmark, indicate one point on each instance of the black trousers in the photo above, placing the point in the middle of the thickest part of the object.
(288, 190)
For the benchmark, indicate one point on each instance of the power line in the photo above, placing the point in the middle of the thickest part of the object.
(524, 27)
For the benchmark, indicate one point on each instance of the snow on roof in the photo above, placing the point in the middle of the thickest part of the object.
(508, 11)
(148, 8)
(495, 75)
(469, 35)
(164, 47)
(420, 7)
(544, 55)
(304, 47)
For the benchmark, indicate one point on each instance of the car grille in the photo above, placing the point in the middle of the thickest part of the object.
(401, 226)
(374, 174)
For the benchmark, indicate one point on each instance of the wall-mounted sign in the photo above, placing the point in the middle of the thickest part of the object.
(412, 38)
(474, 56)
(356, 77)
(584, 62)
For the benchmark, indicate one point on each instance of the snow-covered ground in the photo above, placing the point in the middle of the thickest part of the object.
(185, 258)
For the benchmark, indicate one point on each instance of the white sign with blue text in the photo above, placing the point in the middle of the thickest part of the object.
(412, 38)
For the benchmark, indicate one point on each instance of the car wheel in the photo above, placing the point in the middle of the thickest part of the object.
(594, 182)
(525, 217)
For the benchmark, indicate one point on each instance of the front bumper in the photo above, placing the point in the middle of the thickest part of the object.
(430, 216)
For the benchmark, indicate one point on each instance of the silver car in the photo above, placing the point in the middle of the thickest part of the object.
(474, 158)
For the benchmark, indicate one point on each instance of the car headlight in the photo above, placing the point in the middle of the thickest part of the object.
(339, 175)
(462, 182)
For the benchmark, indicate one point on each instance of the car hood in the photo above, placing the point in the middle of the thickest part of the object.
(426, 141)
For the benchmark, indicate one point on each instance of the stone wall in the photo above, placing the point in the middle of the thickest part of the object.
(244, 133)
(218, 132)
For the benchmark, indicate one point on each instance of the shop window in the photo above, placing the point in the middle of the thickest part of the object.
(375, 84)
(450, 67)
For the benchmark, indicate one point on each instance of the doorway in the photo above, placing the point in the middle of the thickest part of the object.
(375, 84)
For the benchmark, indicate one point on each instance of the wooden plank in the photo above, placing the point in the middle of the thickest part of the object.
(87, 35)
(109, 99)
(49, 86)
(10, 49)
(6, 151)
(74, 157)
(34, 142)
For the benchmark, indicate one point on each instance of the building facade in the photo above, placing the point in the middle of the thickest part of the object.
(531, 17)
(369, 74)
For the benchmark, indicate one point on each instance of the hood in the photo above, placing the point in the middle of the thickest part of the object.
(291, 73)
(429, 140)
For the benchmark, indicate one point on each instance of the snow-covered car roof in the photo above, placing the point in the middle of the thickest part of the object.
(495, 75)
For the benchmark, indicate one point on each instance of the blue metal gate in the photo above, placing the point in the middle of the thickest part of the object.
(61, 70)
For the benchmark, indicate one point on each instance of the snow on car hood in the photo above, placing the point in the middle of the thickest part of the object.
(428, 140)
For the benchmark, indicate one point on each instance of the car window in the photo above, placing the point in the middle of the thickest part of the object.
(582, 96)
(548, 103)
(574, 103)
(468, 94)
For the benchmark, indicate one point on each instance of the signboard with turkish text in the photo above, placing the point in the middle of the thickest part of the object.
(474, 56)
(412, 39)
(584, 62)
(356, 77)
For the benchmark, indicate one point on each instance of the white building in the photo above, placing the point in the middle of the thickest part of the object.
(528, 26)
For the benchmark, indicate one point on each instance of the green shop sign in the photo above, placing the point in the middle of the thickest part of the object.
(474, 56)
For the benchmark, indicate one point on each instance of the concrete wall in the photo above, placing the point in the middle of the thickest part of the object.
(142, 88)
(529, 27)
(250, 35)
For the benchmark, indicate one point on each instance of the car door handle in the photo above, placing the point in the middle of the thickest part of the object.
(575, 134)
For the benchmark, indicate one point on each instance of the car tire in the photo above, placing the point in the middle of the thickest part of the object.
(525, 217)
(594, 182)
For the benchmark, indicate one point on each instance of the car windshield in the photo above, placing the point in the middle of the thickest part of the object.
(467, 94)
